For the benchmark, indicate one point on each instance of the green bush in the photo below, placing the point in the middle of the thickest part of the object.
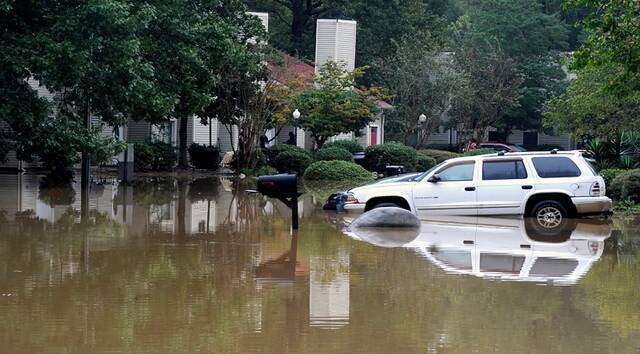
(391, 153)
(292, 162)
(610, 174)
(333, 153)
(350, 145)
(275, 150)
(425, 162)
(444, 147)
(480, 151)
(204, 156)
(626, 186)
(156, 156)
(259, 171)
(439, 155)
(337, 171)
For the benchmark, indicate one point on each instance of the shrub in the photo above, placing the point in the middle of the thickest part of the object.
(259, 171)
(350, 145)
(439, 155)
(391, 153)
(204, 156)
(333, 153)
(444, 147)
(155, 156)
(292, 161)
(337, 171)
(275, 150)
(425, 162)
(481, 151)
(610, 174)
(626, 186)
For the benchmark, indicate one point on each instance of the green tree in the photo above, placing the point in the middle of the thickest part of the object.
(613, 38)
(588, 107)
(333, 106)
(420, 81)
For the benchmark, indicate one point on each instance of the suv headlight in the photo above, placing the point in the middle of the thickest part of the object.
(351, 199)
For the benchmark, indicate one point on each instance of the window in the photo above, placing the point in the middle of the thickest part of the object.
(496, 170)
(455, 259)
(553, 267)
(554, 167)
(502, 263)
(459, 172)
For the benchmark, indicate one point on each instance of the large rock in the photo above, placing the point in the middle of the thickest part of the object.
(387, 217)
(386, 227)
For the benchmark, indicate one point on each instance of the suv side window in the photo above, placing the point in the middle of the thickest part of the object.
(497, 170)
(554, 167)
(457, 172)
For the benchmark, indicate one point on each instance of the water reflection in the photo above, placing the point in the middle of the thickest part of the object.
(508, 249)
(168, 265)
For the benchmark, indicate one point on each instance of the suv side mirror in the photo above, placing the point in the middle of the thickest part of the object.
(434, 179)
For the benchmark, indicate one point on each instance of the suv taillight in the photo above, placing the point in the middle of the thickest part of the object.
(596, 191)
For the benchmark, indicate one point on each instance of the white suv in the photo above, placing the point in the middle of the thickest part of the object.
(549, 186)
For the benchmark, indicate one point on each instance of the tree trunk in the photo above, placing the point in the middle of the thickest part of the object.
(183, 156)
(298, 24)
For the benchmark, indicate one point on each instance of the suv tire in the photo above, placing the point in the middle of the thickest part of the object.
(549, 222)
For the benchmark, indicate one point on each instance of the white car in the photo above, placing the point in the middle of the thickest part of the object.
(549, 186)
(506, 249)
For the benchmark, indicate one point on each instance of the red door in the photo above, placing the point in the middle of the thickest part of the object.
(374, 135)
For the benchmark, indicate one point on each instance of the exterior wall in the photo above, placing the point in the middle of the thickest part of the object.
(138, 132)
(226, 141)
(201, 132)
(336, 40)
(562, 140)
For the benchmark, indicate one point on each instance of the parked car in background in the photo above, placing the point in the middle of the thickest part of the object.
(549, 186)
(500, 147)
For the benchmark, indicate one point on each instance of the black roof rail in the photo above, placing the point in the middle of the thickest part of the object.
(554, 151)
(501, 152)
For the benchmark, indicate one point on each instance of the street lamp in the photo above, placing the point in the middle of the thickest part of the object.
(422, 119)
(296, 117)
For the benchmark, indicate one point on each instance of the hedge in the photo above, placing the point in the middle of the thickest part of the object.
(350, 145)
(391, 153)
(275, 150)
(156, 156)
(337, 171)
(333, 153)
(610, 174)
(204, 156)
(439, 155)
(480, 151)
(626, 186)
(292, 162)
(425, 162)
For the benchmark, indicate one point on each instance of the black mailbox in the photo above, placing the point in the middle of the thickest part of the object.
(394, 170)
(285, 188)
(278, 186)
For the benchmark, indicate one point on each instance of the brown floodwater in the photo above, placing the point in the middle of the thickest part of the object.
(168, 266)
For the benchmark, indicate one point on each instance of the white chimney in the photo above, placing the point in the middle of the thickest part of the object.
(264, 17)
(336, 40)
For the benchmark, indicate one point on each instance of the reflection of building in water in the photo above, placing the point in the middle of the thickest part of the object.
(329, 291)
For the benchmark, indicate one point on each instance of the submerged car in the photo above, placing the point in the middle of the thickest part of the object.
(548, 186)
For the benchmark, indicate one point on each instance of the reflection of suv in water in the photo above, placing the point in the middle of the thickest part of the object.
(549, 186)
(501, 248)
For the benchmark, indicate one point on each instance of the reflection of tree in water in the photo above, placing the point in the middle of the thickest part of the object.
(611, 286)
(204, 189)
(54, 193)
(154, 191)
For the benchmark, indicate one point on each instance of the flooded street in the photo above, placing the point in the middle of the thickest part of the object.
(181, 266)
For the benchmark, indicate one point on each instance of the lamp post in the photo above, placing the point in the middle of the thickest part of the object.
(422, 119)
(296, 117)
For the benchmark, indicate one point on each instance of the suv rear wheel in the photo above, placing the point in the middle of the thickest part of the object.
(549, 214)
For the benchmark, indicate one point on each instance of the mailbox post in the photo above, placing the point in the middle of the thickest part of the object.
(284, 188)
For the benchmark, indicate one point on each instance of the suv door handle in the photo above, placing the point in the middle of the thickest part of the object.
(527, 187)
(469, 189)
